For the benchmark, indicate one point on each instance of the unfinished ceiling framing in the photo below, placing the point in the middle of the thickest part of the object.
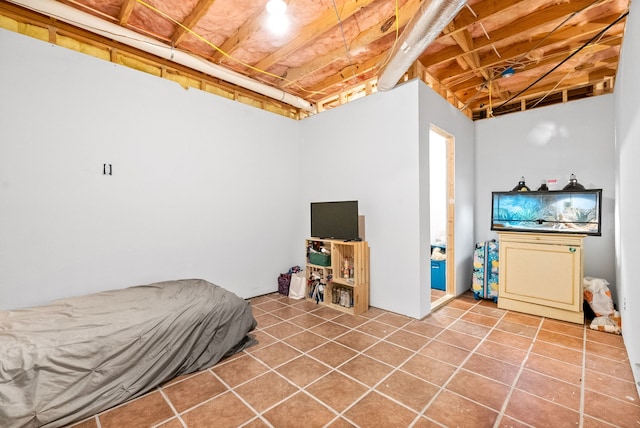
(494, 57)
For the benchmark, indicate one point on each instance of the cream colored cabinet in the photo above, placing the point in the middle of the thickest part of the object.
(541, 274)
(338, 274)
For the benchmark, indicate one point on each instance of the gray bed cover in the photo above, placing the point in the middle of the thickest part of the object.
(73, 358)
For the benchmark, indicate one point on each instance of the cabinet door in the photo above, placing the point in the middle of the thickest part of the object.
(544, 274)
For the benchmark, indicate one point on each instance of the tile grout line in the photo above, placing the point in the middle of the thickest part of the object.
(379, 340)
(339, 416)
(515, 381)
(332, 369)
(442, 387)
(230, 389)
(417, 351)
(175, 411)
(369, 389)
(584, 372)
(394, 369)
(458, 366)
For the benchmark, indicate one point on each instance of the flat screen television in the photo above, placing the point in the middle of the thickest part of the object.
(335, 220)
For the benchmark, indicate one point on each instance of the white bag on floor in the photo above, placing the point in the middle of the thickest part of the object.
(598, 295)
(298, 285)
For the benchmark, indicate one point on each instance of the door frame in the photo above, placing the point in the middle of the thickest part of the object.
(450, 272)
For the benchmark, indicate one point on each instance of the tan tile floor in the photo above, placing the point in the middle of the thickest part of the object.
(469, 364)
(436, 294)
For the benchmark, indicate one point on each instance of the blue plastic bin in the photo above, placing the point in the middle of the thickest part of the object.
(438, 274)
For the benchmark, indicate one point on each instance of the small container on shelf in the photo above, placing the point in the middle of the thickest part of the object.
(320, 259)
(318, 254)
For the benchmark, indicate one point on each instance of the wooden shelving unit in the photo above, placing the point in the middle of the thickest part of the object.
(341, 282)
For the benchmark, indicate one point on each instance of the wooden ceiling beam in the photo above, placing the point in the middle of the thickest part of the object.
(549, 61)
(327, 21)
(370, 35)
(580, 81)
(190, 21)
(559, 82)
(505, 35)
(61, 28)
(125, 12)
(472, 14)
(517, 53)
(471, 58)
(603, 54)
(337, 79)
(543, 40)
(241, 35)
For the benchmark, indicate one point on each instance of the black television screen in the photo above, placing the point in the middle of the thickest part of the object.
(335, 220)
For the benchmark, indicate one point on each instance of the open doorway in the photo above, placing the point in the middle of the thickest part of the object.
(442, 220)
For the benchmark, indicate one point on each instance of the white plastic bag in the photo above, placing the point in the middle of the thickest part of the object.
(598, 295)
(297, 287)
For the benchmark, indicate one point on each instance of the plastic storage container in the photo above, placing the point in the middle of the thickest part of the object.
(320, 259)
(438, 277)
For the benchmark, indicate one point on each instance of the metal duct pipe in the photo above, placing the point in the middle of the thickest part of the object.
(423, 29)
(115, 32)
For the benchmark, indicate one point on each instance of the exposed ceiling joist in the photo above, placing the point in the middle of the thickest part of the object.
(335, 45)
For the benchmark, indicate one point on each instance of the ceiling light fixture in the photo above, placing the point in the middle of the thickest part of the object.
(276, 7)
(277, 21)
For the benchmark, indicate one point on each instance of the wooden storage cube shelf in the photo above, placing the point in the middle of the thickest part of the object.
(348, 273)
(323, 273)
(344, 258)
(341, 297)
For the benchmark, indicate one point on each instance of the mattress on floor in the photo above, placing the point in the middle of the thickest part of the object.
(75, 357)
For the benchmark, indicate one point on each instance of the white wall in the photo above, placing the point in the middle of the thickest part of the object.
(367, 151)
(627, 113)
(552, 142)
(201, 185)
(197, 192)
(375, 150)
(435, 110)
